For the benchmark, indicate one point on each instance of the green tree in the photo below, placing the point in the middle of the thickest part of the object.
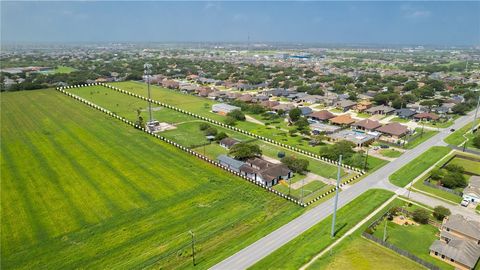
(298, 165)
(237, 115)
(220, 136)
(230, 121)
(211, 131)
(421, 216)
(460, 108)
(245, 151)
(295, 114)
(204, 126)
(476, 140)
(440, 212)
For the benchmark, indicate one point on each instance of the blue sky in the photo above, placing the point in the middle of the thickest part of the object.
(436, 23)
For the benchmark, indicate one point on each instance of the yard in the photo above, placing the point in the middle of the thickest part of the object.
(414, 168)
(415, 239)
(470, 166)
(356, 252)
(202, 106)
(99, 194)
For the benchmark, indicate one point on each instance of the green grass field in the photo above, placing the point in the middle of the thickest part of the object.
(304, 247)
(390, 153)
(362, 254)
(456, 138)
(187, 132)
(414, 168)
(468, 165)
(356, 252)
(427, 134)
(82, 190)
(202, 106)
(414, 239)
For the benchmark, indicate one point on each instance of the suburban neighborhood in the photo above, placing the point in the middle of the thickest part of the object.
(240, 135)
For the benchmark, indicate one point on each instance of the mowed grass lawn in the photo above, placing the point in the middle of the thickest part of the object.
(187, 132)
(82, 190)
(414, 168)
(304, 247)
(456, 138)
(203, 106)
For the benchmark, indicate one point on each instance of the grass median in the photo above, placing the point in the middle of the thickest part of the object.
(414, 168)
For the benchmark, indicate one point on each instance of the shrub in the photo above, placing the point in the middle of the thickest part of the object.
(421, 216)
(440, 212)
(204, 126)
(220, 136)
(229, 121)
(237, 115)
(211, 131)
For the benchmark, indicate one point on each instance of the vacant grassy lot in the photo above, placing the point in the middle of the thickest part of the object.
(187, 132)
(414, 168)
(301, 249)
(456, 138)
(81, 190)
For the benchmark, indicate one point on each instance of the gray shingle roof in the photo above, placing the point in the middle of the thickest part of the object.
(462, 251)
(233, 163)
(463, 225)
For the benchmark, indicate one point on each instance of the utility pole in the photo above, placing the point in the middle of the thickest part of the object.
(289, 188)
(147, 71)
(336, 196)
(193, 247)
(303, 184)
(366, 159)
(473, 123)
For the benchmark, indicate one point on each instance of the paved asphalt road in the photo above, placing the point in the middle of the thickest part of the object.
(378, 179)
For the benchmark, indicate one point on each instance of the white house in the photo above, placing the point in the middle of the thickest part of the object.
(472, 191)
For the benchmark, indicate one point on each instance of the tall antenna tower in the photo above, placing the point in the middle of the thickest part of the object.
(147, 71)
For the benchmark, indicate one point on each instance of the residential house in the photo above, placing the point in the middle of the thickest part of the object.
(363, 105)
(269, 104)
(286, 107)
(204, 91)
(245, 98)
(382, 109)
(223, 109)
(459, 243)
(342, 120)
(345, 105)
(311, 99)
(322, 115)
(265, 172)
(305, 110)
(228, 142)
(171, 84)
(366, 125)
(318, 128)
(405, 113)
(472, 192)
(426, 116)
(230, 163)
(393, 131)
(359, 139)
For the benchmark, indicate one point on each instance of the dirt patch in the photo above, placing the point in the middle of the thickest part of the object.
(403, 220)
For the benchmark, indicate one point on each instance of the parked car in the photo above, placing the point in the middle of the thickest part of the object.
(452, 130)
(384, 146)
(465, 203)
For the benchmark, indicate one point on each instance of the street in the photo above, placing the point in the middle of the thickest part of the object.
(378, 179)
